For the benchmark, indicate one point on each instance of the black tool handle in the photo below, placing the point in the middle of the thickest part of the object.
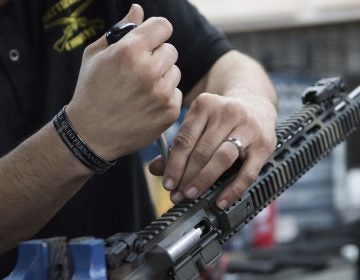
(118, 31)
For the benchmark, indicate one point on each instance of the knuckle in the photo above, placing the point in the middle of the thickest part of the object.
(162, 87)
(172, 50)
(177, 71)
(203, 181)
(270, 144)
(87, 52)
(163, 96)
(173, 113)
(174, 78)
(273, 139)
(183, 141)
(227, 155)
(175, 168)
(256, 128)
(164, 23)
(127, 50)
(267, 143)
(90, 52)
(152, 75)
(175, 101)
(249, 119)
(173, 171)
(249, 177)
(171, 105)
(202, 153)
(232, 108)
(234, 193)
(201, 102)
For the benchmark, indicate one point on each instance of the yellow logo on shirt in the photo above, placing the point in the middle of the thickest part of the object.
(77, 29)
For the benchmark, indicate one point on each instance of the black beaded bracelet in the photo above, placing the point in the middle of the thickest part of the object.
(78, 146)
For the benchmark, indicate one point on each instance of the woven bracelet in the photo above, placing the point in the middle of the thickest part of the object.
(78, 146)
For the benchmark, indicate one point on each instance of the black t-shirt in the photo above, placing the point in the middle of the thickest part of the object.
(41, 45)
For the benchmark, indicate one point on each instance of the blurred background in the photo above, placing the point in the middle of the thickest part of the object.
(312, 231)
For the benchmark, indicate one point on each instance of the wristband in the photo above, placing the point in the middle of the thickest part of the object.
(78, 146)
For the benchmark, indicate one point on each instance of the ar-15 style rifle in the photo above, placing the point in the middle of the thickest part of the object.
(186, 240)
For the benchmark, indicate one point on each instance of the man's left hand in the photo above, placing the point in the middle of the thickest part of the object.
(200, 153)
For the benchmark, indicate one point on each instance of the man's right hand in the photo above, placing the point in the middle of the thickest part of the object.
(125, 97)
(126, 94)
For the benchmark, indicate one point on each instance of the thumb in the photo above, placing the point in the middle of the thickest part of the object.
(135, 15)
(156, 166)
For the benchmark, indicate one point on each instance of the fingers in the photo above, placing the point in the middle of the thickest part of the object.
(150, 35)
(154, 32)
(184, 142)
(246, 176)
(176, 101)
(201, 152)
(156, 166)
(197, 142)
(221, 160)
(210, 147)
(135, 15)
(172, 77)
(165, 57)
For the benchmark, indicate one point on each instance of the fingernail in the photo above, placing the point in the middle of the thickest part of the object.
(191, 193)
(223, 204)
(177, 197)
(169, 184)
(131, 9)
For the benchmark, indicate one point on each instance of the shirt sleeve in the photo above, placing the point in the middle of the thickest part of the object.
(199, 44)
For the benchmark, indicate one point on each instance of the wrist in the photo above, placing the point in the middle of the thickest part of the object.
(253, 100)
(263, 92)
(65, 157)
(78, 146)
(91, 131)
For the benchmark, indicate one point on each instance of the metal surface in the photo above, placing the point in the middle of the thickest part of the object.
(163, 146)
(181, 246)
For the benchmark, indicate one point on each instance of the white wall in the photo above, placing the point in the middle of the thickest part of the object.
(249, 15)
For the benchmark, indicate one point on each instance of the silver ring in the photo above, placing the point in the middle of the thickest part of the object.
(237, 143)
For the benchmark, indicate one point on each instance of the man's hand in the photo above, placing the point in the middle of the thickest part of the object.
(125, 97)
(126, 94)
(200, 153)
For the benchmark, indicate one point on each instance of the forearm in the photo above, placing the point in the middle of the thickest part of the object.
(36, 180)
(235, 74)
